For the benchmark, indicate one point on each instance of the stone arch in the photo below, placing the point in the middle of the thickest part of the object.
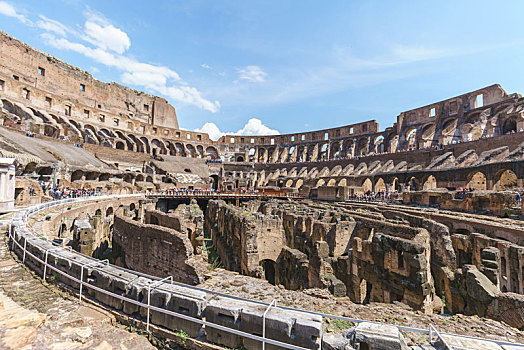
(200, 151)
(320, 182)
(145, 142)
(299, 183)
(380, 185)
(109, 211)
(91, 134)
(77, 175)
(137, 142)
(29, 168)
(139, 178)
(395, 184)
(362, 147)
(504, 180)
(413, 184)
(509, 125)
(191, 151)
(120, 145)
(367, 185)
(378, 144)
(449, 129)
(270, 271)
(261, 155)
(289, 183)
(211, 152)
(180, 150)
(477, 181)
(348, 148)
(335, 171)
(427, 135)
(334, 150)
(430, 183)
(123, 137)
(411, 138)
(158, 144)
(323, 153)
(323, 172)
(332, 182)
(342, 182)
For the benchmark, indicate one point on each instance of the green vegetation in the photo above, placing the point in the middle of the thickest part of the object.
(212, 257)
(182, 335)
(337, 326)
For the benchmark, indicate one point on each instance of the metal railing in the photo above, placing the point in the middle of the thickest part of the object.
(20, 222)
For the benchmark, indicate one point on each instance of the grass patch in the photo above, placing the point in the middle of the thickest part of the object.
(212, 257)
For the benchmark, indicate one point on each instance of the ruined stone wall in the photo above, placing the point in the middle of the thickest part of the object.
(156, 250)
(46, 76)
(363, 256)
(242, 238)
(187, 219)
(87, 228)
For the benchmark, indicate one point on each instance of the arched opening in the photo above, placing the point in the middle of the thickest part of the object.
(320, 182)
(332, 182)
(411, 139)
(367, 186)
(77, 175)
(477, 181)
(380, 186)
(430, 183)
(240, 159)
(109, 211)
(448, 132)
(62, 230)
(413, 184)
(505, 180)
(211, 153)
(270, 271)
(509, 126)
(342, 182)
(289, 183)
(395, 185)
(120, 145)
(98, 212)
(213, 179)
(379, 144)
(261, 155)
(299, 183)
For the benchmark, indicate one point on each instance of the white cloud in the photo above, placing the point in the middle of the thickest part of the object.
(159, 79)
(50, 25)
(253, 127)
(205, 66)
(99, 32)
(212, 130)
(7, 9)
(110, 43)
(253, 74)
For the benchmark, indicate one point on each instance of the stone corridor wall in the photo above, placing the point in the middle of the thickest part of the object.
(156, 250)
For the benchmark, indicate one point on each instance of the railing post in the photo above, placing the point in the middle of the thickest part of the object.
(153, 286)
(148, 305)
(45, 264)
(82, 273)
(273, 303)
(12, 230)
(25, 244)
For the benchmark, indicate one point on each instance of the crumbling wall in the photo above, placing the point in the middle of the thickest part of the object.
(156, 250)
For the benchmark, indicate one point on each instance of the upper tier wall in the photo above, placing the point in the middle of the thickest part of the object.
(19, 61)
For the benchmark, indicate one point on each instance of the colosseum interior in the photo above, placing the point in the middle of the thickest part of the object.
(342, 238)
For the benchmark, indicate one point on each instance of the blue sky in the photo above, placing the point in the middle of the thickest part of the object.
(293, 65)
